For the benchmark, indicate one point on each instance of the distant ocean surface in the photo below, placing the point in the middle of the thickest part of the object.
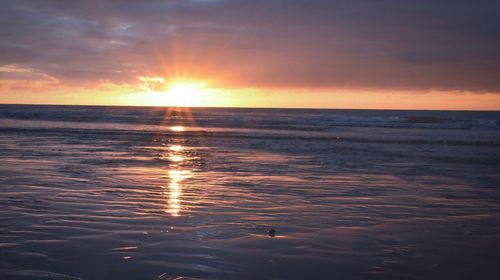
(159, 193)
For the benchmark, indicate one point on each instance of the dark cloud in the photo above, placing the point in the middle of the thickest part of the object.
(450, 45)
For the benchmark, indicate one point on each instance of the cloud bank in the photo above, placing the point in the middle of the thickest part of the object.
(393, 45)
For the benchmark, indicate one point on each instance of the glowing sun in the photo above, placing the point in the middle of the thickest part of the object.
(185, 94)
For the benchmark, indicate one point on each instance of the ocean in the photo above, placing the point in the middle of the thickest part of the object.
(172, 193)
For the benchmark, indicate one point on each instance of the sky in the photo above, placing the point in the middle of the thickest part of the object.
(385, 54)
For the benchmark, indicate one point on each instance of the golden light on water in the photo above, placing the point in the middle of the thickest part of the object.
(176, 119)
(176, 176)
(176, 148)
(176, 158)
(177, 173)
(177, 128)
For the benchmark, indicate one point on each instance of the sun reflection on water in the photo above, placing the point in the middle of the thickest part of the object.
(175, 190)
(177, 128)
(176, 148)
(175, 158)
(176, 175)
(177, 120)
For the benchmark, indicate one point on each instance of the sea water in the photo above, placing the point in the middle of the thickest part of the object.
(175, 193)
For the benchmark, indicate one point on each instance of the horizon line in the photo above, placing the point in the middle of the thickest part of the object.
(243, 107)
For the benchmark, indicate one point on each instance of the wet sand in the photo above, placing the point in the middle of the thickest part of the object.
(122, 200)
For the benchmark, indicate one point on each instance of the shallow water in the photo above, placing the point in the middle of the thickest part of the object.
(151, 193)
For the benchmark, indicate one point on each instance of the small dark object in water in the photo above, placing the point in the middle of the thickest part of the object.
(272, 232)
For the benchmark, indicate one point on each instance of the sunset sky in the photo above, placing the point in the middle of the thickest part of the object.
(250, 53)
